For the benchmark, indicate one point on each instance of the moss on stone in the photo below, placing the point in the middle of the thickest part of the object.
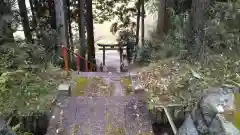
(80, 86)
(98, 87)
(237, 111)
(92, 86)
(111, 130)
(75, 129)
(127, 84)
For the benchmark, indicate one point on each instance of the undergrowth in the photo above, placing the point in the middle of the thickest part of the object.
(28, 82)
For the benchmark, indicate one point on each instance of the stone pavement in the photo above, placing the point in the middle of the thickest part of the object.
(112, 60)
(93, 115)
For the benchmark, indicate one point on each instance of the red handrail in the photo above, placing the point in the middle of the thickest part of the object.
(78, 63)
(65, 59)
(78, 58)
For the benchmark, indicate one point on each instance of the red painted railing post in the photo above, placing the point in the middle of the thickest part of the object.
(65, 58)
(78, 63)
(86, 66)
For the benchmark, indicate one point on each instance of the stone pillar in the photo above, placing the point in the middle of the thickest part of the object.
(64, 90)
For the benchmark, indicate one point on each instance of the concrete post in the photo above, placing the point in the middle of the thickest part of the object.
(64, 90)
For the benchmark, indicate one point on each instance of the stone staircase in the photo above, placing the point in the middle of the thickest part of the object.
(101, 115)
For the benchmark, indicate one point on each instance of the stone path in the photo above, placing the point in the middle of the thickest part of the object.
(91, 113)
(108, 78)
(112, 60)
(94, 114)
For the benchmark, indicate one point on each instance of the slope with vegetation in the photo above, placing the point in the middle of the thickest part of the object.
(28, 79)
(173, 72)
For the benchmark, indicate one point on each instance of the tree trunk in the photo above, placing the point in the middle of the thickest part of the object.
(34, 18)
(137, 31)
(25, 22)
(6, 32)
(81, 27)
(90, 33)
(52, 14)
(143, 16)
(69, 24)
(70, 37)
(61, 22)
(52, 19)
(138, 20)
(161, 17)
(82, 30)
(197, 19)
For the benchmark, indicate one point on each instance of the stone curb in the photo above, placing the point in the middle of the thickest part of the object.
(54, 126)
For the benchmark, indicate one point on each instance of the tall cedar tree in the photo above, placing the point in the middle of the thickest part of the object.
(90, 35)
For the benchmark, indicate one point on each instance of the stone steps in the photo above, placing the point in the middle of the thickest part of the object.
(96, 113)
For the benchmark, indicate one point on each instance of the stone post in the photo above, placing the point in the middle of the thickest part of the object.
(64, 90)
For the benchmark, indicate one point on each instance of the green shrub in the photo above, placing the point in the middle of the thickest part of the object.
(145, 52)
